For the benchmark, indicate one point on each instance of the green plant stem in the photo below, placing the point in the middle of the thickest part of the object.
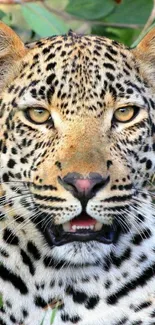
(149, 24)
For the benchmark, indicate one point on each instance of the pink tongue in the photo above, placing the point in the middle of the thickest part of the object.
(83, 220)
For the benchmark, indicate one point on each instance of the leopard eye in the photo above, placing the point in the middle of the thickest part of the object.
(38, 115)
(125, 114)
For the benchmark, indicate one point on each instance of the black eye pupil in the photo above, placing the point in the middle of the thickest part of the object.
(39, 111)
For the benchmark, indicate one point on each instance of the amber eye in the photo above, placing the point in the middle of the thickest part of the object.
(38, 115)
(125, 114)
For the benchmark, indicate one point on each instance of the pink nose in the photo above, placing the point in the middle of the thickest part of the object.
(84, 187)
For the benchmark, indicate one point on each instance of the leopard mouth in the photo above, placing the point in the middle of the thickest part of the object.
(82, 228)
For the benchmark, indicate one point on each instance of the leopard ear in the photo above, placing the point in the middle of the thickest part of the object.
(12, 49)
(145, 53)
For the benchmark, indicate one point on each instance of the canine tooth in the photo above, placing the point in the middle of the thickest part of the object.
(98, 225)
(66, 226)
(74, 227)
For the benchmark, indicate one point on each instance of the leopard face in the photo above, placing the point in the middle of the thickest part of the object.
(77, 145)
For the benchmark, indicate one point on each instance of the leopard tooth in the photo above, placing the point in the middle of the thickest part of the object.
(98, 226)
(66, 226)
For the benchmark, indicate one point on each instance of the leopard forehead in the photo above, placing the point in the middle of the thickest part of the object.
(77, 73)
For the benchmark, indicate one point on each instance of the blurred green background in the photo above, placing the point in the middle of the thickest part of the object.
(123, 20)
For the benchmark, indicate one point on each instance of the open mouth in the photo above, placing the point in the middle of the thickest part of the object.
(82, 228)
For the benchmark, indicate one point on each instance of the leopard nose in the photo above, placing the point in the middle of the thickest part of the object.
(84, 187)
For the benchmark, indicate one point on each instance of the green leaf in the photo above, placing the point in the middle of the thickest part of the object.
(131, 12)
(42, 322)
(7, 19)
(123, 35)
(54, 311)
(90, 9)
(43, 22)
(2, 14)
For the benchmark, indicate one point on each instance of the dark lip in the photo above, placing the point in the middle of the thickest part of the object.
(56, 236)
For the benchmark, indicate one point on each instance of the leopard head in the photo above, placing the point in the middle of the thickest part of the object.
(76, 148)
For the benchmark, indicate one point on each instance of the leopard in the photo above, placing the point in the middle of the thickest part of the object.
(77, 161)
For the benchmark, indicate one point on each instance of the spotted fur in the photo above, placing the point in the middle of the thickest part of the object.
(81, 80)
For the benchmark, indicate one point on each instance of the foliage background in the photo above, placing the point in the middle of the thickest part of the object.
(123, 20)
